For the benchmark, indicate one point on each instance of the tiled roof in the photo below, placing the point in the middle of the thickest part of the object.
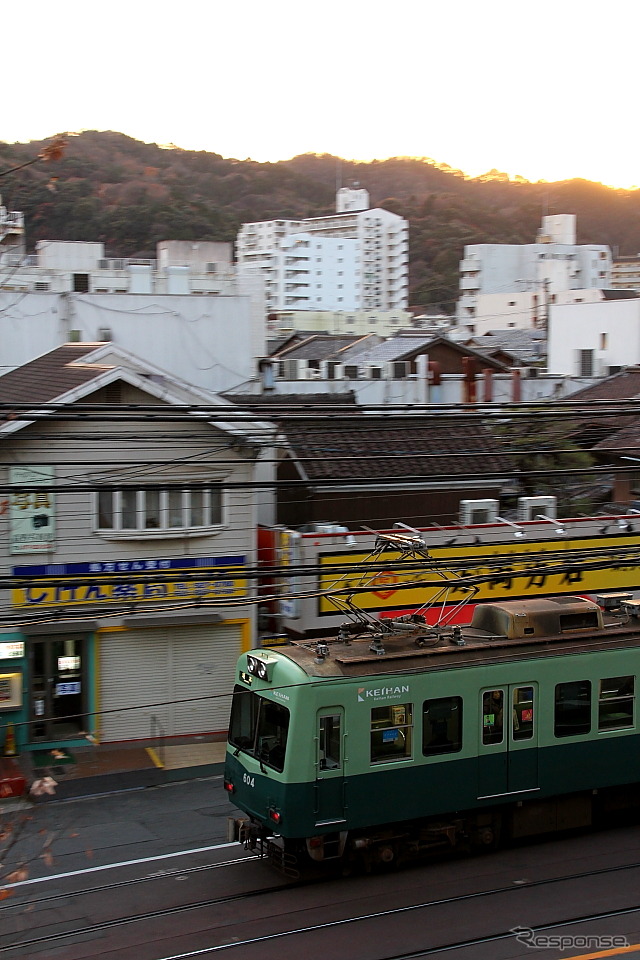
(50, 376)
(626, 440)
(320, 347)
(278, 404)
(391, 448)
(525, 345)
(598, 431)
(620, 386)
(395, 348)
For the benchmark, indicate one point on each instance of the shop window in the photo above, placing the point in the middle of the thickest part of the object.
(615, 703)
(442, 725)
(572, 709)
(391, 732)
(159, 509)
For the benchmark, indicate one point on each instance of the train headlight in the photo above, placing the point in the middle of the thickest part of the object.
(260, 668)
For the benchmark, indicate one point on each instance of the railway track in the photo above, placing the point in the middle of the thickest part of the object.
(354, 923)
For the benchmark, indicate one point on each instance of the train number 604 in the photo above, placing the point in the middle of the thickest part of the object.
(250, 781)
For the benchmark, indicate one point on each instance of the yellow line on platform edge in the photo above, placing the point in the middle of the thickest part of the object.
(615, 952)
(154, 756)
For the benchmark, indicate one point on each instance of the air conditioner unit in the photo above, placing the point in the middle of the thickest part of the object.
(530, 507)
(104, 333)
(313, 374)
(478, 511)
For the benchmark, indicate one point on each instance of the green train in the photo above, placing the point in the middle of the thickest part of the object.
(379, 746)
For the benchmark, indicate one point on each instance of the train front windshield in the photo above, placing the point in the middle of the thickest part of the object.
(259, 727)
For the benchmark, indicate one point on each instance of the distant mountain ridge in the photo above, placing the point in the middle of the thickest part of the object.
(130, 195)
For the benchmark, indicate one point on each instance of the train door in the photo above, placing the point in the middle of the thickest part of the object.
(330, 784)
(507, 752)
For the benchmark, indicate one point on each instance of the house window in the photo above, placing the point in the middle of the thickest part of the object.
(159, 509)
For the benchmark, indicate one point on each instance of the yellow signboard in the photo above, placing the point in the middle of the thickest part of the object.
(510, 571)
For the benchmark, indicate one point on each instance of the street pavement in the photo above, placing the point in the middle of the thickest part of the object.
(45, 839)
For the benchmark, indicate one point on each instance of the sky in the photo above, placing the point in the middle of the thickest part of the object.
(545, 90)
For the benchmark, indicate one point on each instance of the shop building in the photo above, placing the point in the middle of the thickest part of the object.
(128, 526)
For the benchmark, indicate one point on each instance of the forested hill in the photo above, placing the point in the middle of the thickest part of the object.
(130, 195)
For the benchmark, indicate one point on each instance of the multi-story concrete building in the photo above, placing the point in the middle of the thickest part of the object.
(594, 339)
(188, 310)
(512, 285)
(625, 273)
(356, 259)
(12, 238)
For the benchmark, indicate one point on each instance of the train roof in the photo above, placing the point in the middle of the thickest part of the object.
(505, 631)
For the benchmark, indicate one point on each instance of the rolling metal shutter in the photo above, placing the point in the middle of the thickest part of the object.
(167, 681)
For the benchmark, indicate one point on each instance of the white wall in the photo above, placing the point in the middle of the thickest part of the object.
(610, 328)
(206, 340)
(520, 311)
(417, 390)
(76, 256)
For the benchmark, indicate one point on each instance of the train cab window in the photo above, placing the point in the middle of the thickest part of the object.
(391, 732)
(522, 713)
(259, 727)
(492, 714)
(572, 709)
(442, 725)
(244, 717)
(329, 742)
(615, 703)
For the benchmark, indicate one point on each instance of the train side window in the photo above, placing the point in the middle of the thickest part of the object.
(442, 725)
(492, 714)
(572, 709)
(391, 732)
(522, 713)
(615, 703)
(329, 742)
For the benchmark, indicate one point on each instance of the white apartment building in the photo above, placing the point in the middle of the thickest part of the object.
(517, 283)
(625, 273)
(357, 259)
